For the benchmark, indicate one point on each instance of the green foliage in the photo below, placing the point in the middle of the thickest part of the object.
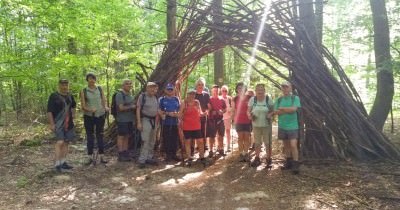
(22, 182)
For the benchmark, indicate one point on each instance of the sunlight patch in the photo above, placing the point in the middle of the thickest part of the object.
(253, 195)
(185, 179)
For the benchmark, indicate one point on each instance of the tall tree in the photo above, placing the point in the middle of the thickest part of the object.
(383, 63)
(218, 55)
(171, 19)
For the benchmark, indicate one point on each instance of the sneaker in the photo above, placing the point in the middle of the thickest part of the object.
(175, 158)
(188, 162)
(66, 166)
(269, 163)
(152, 162)
(142, 165)
(123, 157)
(256, 162)
(295, 167)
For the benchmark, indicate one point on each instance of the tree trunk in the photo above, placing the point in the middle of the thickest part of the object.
(219, 54)
(319, 19)
(384, 72)
(171, 19)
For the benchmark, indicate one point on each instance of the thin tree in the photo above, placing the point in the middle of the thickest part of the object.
(383, 63)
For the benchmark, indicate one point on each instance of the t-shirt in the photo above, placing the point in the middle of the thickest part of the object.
(216, 105)
(150, 107)
(169, 104)
(260, 111)
(241, 104)
(56, 104)
(288, 121)
(125, 116)
(204, 99)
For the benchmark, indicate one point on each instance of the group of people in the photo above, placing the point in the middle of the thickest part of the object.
(198, 123)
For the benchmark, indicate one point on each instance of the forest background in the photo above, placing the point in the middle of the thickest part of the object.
(42, 41)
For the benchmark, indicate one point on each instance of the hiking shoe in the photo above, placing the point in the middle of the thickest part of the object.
(175, 158)
(152, 162)
(124, 158)
(188, 162)
(58, 169)
(246, 157)
(204, 161)
(241, 158)
(88, 162)
(103, 161)
(295, 167)
(256, 162)
(288, 164)
(66, 166)
(221, 152)
(210, 154)
(142, 165)
(269, 163)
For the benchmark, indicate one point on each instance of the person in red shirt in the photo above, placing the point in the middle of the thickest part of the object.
(242, 121)
(215, 124)
(190, 112)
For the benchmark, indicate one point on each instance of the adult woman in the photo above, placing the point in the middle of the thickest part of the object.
(242, 121)
(190, 112)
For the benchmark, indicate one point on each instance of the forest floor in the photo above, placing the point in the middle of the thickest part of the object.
(28, 181)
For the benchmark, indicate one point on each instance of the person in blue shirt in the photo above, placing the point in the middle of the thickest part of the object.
(169, 106)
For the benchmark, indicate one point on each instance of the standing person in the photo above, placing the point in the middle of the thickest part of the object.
(125, 118)
(250, 93)
(259, 107)
(94, 109)
(204, 98)
(60, 113)
(147, 122)
(190, 112)
(215, 124)
(169, 111)
(288, 127)
(242, 121)
(227, 115)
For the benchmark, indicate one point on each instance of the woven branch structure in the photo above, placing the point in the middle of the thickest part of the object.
(328, 98)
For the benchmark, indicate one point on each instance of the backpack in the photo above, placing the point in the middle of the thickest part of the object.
(266, 101)
(98, 87)
(114, 108)
(298, 111)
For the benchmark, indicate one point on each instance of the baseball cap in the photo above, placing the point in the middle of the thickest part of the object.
(286, 83)
(151, 84)
(169, 86)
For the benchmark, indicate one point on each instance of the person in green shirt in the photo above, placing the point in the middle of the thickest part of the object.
(288, 127)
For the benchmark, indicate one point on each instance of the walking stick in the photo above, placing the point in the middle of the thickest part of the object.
(269, 155)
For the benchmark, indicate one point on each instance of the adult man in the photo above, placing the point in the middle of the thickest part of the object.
(204, 98)
(259, 107)
(147, 120)
(125, 119)
(215, 124)
(60, 113)
(288, 127)
(169, 111)
(94, 108)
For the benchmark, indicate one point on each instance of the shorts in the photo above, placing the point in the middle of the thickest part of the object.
(243, 127)
(191, 135)
(228, 123)
(288, 134)
(261, 135)
(215, 126)
(124, 128)
(66, 136)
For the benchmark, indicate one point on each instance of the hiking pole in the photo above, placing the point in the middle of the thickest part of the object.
(269, 155)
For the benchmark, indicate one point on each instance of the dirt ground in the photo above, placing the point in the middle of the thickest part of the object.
(28, 181)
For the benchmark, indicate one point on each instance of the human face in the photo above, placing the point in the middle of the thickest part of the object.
(169, 92)
(224, 91)
(151, 90)
(286, 90)
(240, 89)
(260, 91)
(91, 81)
(127, 86)
(63, 88)
(215, 92)
(199, 87)
(190, 96)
